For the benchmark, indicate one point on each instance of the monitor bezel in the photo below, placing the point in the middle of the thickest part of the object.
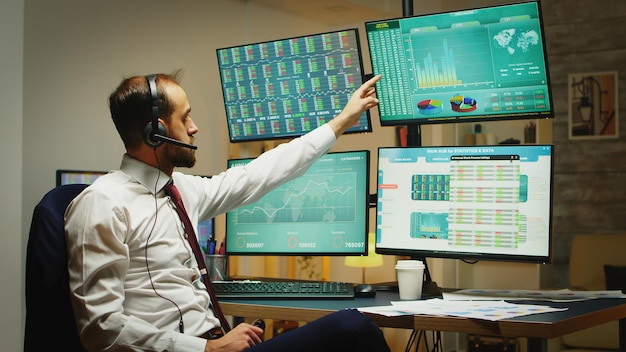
(446, 119)
(363, 75)
(366, 206)
(473, 256)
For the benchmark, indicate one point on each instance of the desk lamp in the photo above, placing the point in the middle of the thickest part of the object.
(371, 260)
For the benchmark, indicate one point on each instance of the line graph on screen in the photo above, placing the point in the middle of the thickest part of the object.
(314, 198)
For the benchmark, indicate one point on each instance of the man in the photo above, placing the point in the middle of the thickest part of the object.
(134, 281)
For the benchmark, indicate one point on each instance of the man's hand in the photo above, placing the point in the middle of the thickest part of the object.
(243, 336)
(361, 100)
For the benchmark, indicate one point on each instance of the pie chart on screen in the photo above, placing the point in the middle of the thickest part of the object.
(460, 103)
(430, 106)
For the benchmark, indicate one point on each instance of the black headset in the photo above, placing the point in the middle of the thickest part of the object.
(155, 134)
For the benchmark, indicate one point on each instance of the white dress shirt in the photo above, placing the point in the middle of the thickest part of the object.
(132, 272)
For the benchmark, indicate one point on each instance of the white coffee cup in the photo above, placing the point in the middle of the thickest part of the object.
(410, 278)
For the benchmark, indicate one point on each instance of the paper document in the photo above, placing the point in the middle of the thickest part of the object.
(487, 310)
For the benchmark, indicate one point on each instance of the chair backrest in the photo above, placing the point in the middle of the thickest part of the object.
(50, 321)
(589, 254)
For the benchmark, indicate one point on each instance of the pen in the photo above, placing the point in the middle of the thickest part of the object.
(211, 246)
(222, 250)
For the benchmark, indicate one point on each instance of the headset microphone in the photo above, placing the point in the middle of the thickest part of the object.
(155, 134)
(161, 138)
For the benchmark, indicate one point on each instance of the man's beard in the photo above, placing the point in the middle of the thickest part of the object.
(180, 156)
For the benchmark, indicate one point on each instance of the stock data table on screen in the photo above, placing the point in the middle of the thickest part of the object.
(537, 328)
(286, 87)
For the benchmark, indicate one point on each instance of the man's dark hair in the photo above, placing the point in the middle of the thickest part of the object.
(131, 106)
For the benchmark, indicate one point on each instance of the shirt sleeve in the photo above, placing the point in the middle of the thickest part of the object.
(86, 267)
(243, 185)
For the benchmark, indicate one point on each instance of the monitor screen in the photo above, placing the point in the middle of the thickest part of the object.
(67, 177)
(487, 202)
(285, 88)
(323, 212)
(482, 64)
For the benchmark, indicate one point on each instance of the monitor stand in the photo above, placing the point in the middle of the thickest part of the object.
(429, 287)
(431, 290)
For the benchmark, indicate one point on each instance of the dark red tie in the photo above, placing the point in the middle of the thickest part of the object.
(172, 191)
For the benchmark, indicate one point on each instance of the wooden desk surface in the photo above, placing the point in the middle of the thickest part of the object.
(309, 310)
(578, 316)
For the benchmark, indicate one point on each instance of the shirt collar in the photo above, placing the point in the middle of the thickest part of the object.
(145, 174)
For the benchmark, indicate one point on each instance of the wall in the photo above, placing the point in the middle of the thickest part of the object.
(585, 36)
(11, 41)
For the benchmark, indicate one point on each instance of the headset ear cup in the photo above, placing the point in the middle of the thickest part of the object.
(148, 134)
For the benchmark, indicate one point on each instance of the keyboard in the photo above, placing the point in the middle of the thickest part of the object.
(283, 289)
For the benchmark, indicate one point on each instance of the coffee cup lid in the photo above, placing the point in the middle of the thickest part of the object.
(409, 264)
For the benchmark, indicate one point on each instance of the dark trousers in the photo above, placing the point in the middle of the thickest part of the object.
(345, 330)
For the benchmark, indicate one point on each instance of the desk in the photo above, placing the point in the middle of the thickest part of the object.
(537, 328)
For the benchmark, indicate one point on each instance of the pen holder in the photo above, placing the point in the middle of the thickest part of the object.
(217, 266)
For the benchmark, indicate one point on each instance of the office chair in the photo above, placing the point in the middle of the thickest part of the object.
(50, 320)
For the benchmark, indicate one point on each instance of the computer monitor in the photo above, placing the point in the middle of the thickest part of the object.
(66, 177)
(323, 212)
(481, 64)
(285, 88)
(474, 203)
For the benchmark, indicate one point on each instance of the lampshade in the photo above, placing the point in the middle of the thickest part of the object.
(372, 259)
